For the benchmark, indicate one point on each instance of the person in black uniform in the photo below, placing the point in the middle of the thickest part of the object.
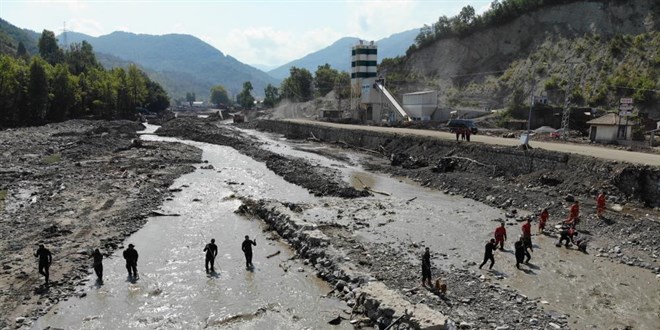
(131, 256)
(520, 251)
(488, 254)
(211, 252)
(247, 250)
(426, 268)
(45, 259)
(98, 265)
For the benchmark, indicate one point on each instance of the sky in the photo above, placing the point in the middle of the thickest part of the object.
(264, 33)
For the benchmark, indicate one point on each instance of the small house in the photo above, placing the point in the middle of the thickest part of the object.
(610, 128)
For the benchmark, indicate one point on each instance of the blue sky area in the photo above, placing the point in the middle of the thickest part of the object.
(267, 33)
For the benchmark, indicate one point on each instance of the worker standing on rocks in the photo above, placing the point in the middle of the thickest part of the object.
(45, 259)
(131, 256)
(488, 254)
(573, 214)
(426, 268)
(543, 218)
(211, 252)
(98, 265)
(247, 250)
(500, 236)
(600, 204)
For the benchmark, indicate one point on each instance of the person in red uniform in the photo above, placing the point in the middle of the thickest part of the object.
(543, 218)
(500, 236)
(600, 204)
(527, 234)
(573, 214)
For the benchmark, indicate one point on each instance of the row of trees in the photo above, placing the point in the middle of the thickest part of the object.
(300, 86)
(467, 22)
(57, 84)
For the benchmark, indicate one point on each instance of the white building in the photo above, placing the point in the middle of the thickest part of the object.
(610, 128)
(421, 105)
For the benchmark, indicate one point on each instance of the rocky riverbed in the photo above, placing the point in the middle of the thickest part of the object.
(74, 186)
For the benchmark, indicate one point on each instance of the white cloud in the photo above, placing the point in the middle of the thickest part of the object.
(87, 26)
(266, 45)
(378, 19)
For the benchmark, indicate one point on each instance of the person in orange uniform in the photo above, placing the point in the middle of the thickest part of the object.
(500, 236)
(573, 214)
(527, 234)
(543, 218)
(600, 204)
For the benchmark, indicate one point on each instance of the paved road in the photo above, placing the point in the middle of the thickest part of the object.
(586, 150)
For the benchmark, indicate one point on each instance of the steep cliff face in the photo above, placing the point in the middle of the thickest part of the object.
(494, 49)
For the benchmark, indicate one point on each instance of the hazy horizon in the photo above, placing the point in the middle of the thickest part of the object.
(266, 34)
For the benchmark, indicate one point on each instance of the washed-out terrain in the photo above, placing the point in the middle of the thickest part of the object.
(349, 219)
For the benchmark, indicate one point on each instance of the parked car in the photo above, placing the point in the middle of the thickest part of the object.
(455, 124)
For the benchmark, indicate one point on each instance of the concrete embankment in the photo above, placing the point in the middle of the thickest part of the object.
(572, 173)
(366, 295)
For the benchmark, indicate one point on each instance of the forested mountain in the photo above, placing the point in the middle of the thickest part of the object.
(177, 58)
(11, 35)
(57, 84)
(602, 49)
(338, 55)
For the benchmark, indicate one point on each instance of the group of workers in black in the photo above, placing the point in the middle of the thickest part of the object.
(131, 257)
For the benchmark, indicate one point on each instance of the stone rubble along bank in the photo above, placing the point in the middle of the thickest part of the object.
(388, 284)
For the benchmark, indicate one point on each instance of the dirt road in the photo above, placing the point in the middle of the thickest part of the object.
(593, 151)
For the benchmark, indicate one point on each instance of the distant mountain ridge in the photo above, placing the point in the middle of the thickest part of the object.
(338, 55)
(173, 56)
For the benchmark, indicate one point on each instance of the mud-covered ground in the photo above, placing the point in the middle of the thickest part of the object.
(121, 182)
(74, 186)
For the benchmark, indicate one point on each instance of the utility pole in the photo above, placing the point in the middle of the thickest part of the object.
(565, 120)
(529, 118)
(567, 112)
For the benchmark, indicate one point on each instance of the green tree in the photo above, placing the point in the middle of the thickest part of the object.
(298, 86)
(22, 52)
(343, 85)
(245, 98)
(272, 96)
(190, 98)
(37, 91)
(80, 58)
(65, 94)
(137, 86)
(324, 79)
(12, 89)
(48, 48)
(124, 105)
(219, 96)
(157, 99)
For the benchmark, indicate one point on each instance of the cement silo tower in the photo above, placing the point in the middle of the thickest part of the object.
(375, 103)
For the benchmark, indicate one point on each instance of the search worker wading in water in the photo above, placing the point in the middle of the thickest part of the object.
(247, 250)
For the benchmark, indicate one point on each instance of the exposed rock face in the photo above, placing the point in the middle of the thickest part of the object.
(494, 48)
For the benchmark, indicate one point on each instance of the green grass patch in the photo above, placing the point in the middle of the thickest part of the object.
(52, 159)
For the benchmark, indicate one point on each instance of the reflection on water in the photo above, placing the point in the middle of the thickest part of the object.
(174, 292)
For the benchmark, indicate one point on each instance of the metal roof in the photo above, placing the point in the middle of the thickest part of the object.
(611, 119)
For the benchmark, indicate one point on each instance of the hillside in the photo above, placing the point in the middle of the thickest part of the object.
(608, 49)
(11, 35)
(177, 57)
(338, 55)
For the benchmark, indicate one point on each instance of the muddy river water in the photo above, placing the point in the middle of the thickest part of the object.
(175, 292)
